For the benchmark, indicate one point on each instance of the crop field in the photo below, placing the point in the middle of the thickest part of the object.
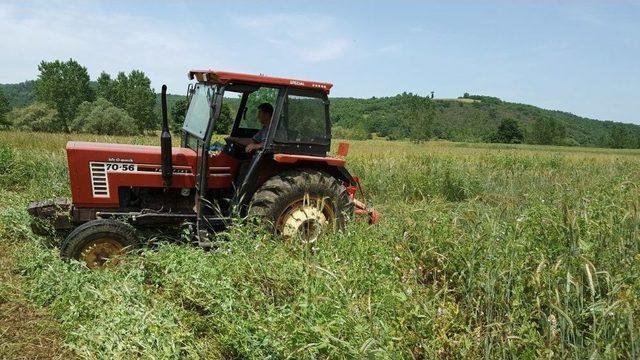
(484, 251)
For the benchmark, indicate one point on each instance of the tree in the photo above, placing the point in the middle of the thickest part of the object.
(63, 85)
(141, 100)
(132, 93)
(101, 117)
(119, 91)
(177, 113)
(104, 89)
(548, 130)
(225, 121)
(619, 137)
(508, 132)
(4, 110)
(420, 118)
(36, 117)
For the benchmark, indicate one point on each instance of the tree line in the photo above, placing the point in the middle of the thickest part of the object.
(67, 101)
(473, 118)
(64, 99)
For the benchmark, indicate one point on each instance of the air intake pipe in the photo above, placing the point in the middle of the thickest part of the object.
(165, 143)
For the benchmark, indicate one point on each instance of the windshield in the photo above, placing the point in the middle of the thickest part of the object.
(197, 118)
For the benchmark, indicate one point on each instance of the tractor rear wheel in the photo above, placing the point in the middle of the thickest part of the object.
(97, 241)
(302, 204)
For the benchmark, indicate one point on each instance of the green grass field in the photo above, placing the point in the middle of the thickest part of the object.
(484, 251)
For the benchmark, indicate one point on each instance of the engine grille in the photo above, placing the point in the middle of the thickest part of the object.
(99, 180)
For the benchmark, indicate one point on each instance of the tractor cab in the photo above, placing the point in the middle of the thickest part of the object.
(299, 126)
(300, 121)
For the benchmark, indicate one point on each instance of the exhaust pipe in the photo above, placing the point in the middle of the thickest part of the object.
(165, 142)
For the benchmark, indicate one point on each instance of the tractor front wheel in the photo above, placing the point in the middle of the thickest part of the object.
(302, 204)
(97, 241)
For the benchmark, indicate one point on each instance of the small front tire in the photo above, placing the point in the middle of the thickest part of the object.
(98, 241)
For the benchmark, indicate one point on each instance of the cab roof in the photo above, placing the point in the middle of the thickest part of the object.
(225, 77)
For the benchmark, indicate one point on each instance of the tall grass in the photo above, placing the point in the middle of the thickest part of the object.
(483, 252)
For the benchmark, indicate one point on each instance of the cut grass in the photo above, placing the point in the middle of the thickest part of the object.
(26, 331)
(484, 251)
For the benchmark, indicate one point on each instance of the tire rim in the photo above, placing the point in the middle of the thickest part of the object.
(306, 219)
(98, 252)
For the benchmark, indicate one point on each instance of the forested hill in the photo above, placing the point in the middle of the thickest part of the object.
(475, 119)
(470, 118)
(19, 95)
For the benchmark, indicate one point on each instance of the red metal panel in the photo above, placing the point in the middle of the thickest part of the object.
(292, 159)
(225, 77)
(222, 169)
(343, 149)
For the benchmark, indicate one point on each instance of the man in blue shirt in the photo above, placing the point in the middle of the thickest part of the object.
(265, 112)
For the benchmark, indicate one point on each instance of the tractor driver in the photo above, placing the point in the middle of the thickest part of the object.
(265, 112)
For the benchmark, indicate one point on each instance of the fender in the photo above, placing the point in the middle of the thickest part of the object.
(292, 159)
(332, 165)
(335, 167)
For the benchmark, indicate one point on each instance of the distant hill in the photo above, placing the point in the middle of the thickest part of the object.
(21, 94)
(171, 99)
(470, 119)
(474, 121)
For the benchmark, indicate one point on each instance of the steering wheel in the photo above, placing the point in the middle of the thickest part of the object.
(234, 148)
(231, 141)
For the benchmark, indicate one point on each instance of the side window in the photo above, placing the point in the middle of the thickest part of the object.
(305, 119)
(230, 107)
(262, 95)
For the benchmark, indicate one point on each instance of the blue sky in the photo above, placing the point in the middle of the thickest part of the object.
(578, 56)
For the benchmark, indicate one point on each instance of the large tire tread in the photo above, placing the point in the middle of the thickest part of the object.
(271, 199)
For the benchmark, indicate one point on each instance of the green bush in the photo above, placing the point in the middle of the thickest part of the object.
(101, 117)
(569, 141)
(549, 131)
(36, 117)
(7, 158)
(356, 133)
(508, 132)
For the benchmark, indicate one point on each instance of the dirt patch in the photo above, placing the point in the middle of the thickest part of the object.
(26, 332)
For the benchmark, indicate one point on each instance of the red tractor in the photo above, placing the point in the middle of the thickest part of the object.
(287, 179)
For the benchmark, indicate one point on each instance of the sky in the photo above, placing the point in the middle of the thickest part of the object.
(577, 56)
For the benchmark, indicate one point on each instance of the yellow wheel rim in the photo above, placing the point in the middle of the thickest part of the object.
(98, 252)
(306, 219)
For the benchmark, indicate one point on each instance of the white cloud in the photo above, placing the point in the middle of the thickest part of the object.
(103, 42)
(105, 39)
(308, 37)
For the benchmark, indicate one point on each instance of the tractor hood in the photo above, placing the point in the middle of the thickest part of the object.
(124, 149)
(125, 152)
(97, 170)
